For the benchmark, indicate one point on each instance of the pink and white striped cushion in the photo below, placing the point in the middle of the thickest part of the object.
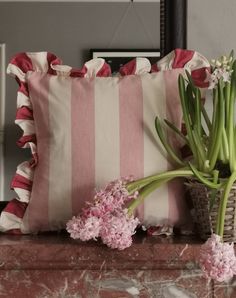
(84, 129)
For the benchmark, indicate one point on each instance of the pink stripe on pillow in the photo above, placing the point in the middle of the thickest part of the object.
(35, 219)
(83, 142)
(60, 163)
(131, 128)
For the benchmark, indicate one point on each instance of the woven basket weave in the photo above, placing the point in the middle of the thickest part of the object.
(205, 219)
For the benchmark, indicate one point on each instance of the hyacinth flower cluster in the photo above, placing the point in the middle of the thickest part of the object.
(107, 217)
(110, 216)
(211, 139)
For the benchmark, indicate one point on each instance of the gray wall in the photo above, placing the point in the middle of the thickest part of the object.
(68, 30)
(211, 26)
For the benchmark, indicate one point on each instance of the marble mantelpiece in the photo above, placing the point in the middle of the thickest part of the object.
(57, 266)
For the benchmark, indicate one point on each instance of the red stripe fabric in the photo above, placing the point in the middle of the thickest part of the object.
(19, 181)
(52, 60)
(16, 207)
(23, 62)
(24, 113)
(199, 77)
(77, 73)
(23, 87)
(26, 139)
(182, 57)
(154, 68)
(129, 68)
(83, 132)
(105, 71)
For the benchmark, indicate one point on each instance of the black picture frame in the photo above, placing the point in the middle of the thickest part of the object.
(173, 25)
(116, 58)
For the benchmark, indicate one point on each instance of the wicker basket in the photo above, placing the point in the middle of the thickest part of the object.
(206, 220)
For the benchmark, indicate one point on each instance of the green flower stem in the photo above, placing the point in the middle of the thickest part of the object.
(203, 179)
(145, 191)
(235, 138)
(187, 120)
(227, 99)
(198, 112)
(225, 145)
(223, 204)
(213, 130)
(199, 145)
(220, 125)
(214, 191)
(231, 130)
(206, 118)
(176, 130)
(190, 104)
(168, 148)
(221, 154)
(182, 172)
(136, 186)
(230, 120)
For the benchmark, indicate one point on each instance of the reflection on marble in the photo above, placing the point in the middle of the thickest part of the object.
(57, 266)
(104, 284)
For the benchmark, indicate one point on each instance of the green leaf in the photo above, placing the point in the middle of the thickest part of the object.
(205, 116)
(198, 111)
(214, 191)
(176, 130)
(220, 124)
(200, 146)
(186, 117)
(223, 204)
(168, 148)
(144, 192)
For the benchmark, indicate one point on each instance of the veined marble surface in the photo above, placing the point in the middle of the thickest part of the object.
(56, 266)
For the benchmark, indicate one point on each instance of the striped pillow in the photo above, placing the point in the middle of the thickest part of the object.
(84, 129)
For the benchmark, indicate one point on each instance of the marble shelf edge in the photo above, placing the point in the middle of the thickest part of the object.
(61, 252)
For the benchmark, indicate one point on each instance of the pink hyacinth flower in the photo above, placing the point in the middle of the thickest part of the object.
(84, 228)
(106, 217)
(117, 229)
(114, 196)
(217, 259)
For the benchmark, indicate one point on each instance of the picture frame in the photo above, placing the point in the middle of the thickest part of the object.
(2, 114)
(116, 58)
